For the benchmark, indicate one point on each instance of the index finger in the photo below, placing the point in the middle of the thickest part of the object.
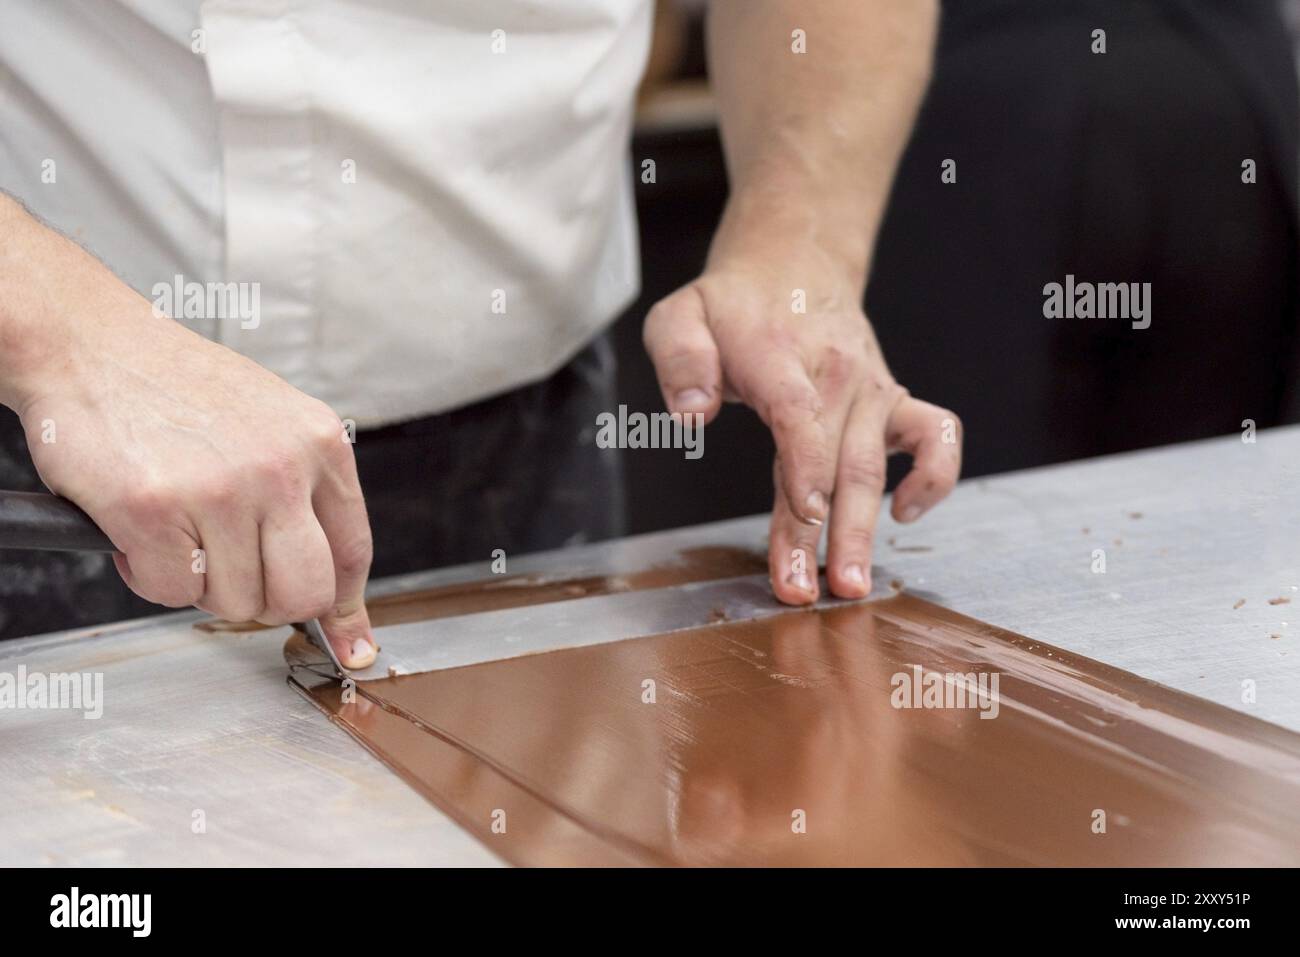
(341, 511)
(793, 409)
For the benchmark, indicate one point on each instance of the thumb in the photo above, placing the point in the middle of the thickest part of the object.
(685, 357)
(347, 627)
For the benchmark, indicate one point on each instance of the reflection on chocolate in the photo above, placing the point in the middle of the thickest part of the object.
(781, 742)
(520, 826)
(516, 591)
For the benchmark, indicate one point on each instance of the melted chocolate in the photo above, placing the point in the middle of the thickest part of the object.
(779, 742)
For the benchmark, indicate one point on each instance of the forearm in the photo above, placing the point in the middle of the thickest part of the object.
(24, 340)
(50, 289)
(812, 139)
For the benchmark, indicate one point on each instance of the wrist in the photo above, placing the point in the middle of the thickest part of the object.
(775, 223)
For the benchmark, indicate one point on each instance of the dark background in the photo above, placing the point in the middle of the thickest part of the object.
(1116, 167)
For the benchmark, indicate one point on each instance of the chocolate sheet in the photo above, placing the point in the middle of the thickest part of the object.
(781, 742)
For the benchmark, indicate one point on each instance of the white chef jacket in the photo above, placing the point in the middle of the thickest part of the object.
(432, 196)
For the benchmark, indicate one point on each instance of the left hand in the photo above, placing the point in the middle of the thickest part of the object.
(819, 382)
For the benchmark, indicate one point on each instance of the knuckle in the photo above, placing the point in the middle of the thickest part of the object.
(683, 367)
(241, 610)
(192, 590)
(282, 479)
(299, 607)
(171, 591)
(937, 480)
(151, 505)
(892, 392)
(806, 543)
(800, 548)
(836, 367)
(811, 458)
(776, 332)
(688, 354)
(352, 558)
(323, 431)
(863, 470)
(168, 597)
(218, 494)
(856, 540)
(795, 408)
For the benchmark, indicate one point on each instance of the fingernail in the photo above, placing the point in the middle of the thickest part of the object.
(800, 580)
(363, 653)
(912, 513)
(853, 573)
(814, 508)
(691, 400)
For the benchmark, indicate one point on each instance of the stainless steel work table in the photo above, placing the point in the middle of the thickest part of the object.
(205, 722)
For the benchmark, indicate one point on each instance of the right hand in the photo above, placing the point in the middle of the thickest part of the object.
(221, 485)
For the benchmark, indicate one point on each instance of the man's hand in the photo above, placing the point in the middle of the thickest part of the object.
(221, 485)
(816, 102)
(819, 382)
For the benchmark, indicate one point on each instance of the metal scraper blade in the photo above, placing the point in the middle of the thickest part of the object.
(460, 640)
(316, 635)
